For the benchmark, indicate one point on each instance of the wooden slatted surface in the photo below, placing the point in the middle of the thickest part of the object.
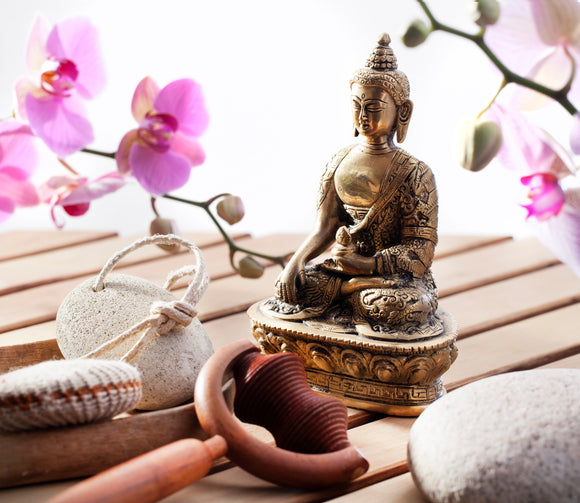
(507, 296)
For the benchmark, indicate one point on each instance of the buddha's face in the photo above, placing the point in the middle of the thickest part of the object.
(374, 112)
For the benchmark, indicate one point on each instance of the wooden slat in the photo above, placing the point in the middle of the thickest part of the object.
(571, 362)
(453, 244)
(29, 335)
(512, 300)
(399, 489)
(40, 304)
(527, 344)
(83, 260)
(16, 244)
(490, 264)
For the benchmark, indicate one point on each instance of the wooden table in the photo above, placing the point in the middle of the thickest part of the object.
(516, 306)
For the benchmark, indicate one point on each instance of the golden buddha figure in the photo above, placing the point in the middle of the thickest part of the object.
(378, 204)
(365, 319)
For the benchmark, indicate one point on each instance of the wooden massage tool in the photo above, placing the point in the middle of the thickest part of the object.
(312, 448)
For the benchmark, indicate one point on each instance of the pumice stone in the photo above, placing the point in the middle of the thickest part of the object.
(169, 362)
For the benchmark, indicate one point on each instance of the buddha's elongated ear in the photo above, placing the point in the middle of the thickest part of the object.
(404, 112)
(355, 132)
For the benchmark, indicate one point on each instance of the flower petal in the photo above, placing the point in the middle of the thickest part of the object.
(77, 40)
(528, 149)
(76, 210)
(575, 134)
(124, 151)
(556, 22)
(58, 186)
(23, 88)
(17, 146)
(514, 37)
(547, 197)
(561, 234)
(6, 208)
(159, 173)
(14, 185)
(188, 147)
(94, 189)
(184, 100)
(60, 123)
(552, 71)
(36, 53)
(143, 98)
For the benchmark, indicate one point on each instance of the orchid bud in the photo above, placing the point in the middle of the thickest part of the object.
(249, 267)
(164, 226)
(481, 141)
(231, 209)
(416, 33)
(486, 12)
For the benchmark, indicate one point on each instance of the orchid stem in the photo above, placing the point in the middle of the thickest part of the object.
(110, 155)
(488, 106)
(561, 96)
(205, 205)
(67, 166)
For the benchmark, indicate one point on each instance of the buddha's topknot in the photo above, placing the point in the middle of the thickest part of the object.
(382, 70)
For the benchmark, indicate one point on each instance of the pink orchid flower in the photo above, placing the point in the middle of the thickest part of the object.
(561, 234)
(528, 149)
(546, 195)
(538, 39)
(66, 68)
(162, 150)
(74, 193)
(17, 163)
(553, 213)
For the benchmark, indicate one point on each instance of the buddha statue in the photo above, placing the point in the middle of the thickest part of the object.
(377, 206)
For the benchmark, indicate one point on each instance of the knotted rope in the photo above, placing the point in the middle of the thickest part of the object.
(164, 316)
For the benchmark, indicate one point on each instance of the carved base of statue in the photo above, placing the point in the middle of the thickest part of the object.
(390, 375)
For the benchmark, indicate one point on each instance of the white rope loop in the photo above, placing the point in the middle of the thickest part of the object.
(164, 315)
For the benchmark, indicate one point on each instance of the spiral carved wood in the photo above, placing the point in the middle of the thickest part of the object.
(272, 391)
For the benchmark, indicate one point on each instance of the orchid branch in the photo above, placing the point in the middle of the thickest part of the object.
(110, 155)
(205, 205)
(560, 96)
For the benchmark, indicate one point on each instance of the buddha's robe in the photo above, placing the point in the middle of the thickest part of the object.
(400, 231)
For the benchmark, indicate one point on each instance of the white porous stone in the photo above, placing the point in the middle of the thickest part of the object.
(509, 438)
(66, 392)
(169, 363)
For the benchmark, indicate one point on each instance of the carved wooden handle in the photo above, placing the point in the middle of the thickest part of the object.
(149, 477)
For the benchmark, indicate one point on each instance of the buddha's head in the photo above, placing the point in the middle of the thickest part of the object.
(380, 95)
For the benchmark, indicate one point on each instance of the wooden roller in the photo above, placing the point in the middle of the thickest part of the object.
(312, 449)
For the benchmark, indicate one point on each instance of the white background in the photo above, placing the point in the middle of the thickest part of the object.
(276, 80)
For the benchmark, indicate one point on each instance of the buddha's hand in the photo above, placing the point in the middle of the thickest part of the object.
(353, 263)
(287, 283)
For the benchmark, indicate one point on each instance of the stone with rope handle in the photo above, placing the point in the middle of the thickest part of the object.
(122, 317)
